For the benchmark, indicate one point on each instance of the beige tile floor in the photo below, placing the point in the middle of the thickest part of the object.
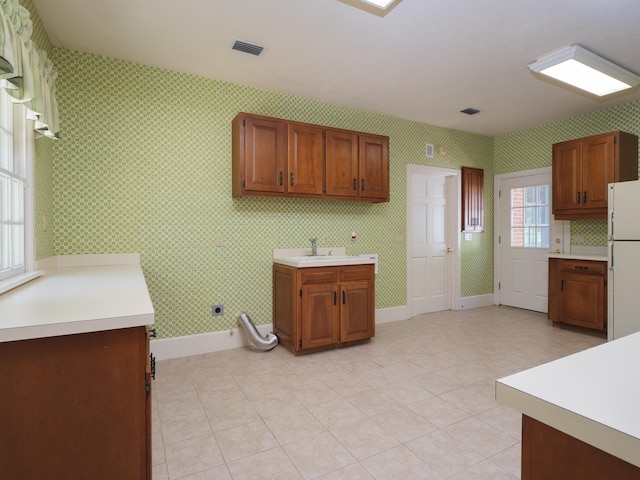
(417, 402)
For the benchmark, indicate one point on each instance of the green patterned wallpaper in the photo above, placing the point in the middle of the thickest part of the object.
(43, 168)
(529, 149)
(144, 164)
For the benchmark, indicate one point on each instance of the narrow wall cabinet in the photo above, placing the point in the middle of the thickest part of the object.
(323, 307)
(275, 157)
(472, 199)
(583, 168)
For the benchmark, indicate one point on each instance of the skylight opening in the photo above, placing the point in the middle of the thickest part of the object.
(377, 7)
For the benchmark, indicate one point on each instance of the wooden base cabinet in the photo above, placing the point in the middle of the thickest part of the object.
(323, 307)
(76, 407)
(578, 293)
(549, 454)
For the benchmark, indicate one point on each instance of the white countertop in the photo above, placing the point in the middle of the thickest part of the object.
(592, 395)
(327, 257)
(76, 299)
(580, 256)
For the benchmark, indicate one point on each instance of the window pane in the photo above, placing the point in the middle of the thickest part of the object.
(530, 214)
(517, 195)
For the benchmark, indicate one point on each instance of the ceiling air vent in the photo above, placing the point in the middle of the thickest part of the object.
(247, 48)
(470, 111)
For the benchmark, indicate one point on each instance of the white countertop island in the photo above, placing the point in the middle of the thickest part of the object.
(593, 396)
(102, 295)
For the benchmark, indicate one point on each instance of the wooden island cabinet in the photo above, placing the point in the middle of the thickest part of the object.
(323, 307)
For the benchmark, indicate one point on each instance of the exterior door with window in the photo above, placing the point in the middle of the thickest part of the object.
(526, 235)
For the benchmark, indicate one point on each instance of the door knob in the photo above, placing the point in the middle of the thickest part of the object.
(449, 250)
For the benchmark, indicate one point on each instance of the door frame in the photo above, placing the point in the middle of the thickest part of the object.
(497, 182)
(453, 231)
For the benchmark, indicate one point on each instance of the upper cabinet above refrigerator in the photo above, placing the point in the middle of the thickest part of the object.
(583, 168)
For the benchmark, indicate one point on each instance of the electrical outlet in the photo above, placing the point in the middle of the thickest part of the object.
(217, 310)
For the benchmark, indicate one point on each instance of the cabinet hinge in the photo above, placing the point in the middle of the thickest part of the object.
(499, 193)
(498, 285)
(244, 184)
(324, 134)
(300, 292)
(147, 388)
(499, 239)
(243, 122)
(300, 343)
(615, 139)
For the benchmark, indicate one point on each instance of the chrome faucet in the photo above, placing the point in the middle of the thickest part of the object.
(314, 246)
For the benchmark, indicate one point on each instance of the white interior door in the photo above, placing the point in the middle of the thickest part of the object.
(527, 233)
(432, 243)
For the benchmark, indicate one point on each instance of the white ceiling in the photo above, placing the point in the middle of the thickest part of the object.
(425, 61)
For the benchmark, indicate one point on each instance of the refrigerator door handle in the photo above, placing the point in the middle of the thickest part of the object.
(611, 257)
(611, 225)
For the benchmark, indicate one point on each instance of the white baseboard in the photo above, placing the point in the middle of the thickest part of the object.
(392, 314)
(175, 347)
(476, 301)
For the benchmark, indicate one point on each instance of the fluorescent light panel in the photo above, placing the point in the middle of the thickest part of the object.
(585, 70)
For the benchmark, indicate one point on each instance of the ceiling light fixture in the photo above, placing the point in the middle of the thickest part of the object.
(585, 70)
(377, 7)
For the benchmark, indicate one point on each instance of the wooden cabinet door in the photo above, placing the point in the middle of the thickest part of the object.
(341, 150)
(373, 153)
(472, 199)
(284, 305)
(305, 159)
(319, 319)
(75, 406)
(582, 300)
(597, 170)
(265, 154)
(567, 176)
(356, 311)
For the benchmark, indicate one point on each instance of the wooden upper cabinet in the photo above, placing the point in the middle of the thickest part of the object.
(342, 163)
(374, 167)
(261, 157)
(472, 199)
(305, 159)
(583, 168)
(274, 157)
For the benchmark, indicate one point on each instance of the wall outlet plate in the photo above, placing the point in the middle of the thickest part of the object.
(217, 310)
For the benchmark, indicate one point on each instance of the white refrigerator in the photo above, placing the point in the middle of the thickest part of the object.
(624, 259)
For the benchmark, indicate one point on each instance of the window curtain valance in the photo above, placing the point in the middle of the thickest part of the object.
(26, 73)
